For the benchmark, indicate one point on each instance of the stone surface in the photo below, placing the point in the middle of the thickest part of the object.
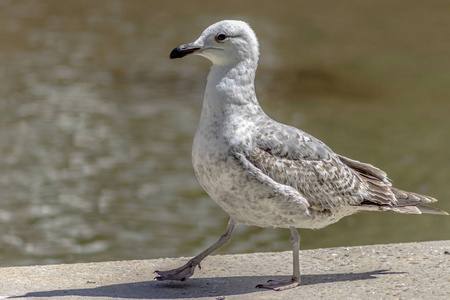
(393, 271)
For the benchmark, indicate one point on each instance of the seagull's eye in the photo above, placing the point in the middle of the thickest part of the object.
(220, 37)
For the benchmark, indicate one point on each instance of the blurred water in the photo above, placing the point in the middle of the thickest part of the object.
(96, 124)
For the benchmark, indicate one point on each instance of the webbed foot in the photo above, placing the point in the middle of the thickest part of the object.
(181, 274)
(280, 285)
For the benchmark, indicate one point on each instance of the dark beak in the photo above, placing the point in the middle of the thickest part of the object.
(183, 50)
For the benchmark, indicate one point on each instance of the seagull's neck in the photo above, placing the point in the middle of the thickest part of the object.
(231, 87)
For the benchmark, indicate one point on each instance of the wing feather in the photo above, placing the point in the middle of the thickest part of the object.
(327, 180)
(297, 159)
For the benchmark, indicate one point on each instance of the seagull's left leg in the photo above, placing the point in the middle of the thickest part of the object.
(184, 272)
(295, 279)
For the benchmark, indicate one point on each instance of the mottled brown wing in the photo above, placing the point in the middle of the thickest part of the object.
(294, 158)
(365, 168)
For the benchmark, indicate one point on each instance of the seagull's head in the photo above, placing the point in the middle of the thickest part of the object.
(224, 43)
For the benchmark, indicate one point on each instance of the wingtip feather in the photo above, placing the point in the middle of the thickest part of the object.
(425, 209)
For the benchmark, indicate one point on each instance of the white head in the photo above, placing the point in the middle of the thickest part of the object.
(224, 43)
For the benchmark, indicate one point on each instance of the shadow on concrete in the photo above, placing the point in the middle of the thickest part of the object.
(197, 287)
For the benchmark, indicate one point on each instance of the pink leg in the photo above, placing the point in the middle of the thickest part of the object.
(295, 279)
(184, 272)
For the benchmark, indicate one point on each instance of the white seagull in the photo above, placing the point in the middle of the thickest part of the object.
(264, 173)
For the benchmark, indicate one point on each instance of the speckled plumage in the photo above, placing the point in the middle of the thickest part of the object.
(264, 173)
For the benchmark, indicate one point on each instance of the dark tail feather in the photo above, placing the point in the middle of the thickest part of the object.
(425, 209)
(382, 196)
(416, 209)
(412, 203)
(408, 198)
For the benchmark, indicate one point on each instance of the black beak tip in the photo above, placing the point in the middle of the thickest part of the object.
(176, 53)
(181, 51)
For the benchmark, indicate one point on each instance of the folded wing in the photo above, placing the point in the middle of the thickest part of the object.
(328, 180)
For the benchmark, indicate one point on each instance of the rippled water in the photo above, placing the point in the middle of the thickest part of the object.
(96, 124)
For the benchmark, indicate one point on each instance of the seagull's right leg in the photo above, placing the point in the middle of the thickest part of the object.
(184, 272)
(295, 279)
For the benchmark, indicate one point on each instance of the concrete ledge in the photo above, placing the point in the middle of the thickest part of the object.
(394, 271)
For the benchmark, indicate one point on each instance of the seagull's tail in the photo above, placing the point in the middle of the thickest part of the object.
(386, 197)
(412, 203)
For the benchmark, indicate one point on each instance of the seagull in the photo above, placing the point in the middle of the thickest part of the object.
(265, 173)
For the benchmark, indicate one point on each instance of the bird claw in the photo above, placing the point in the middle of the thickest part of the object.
(180, 274)
(280, 285)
